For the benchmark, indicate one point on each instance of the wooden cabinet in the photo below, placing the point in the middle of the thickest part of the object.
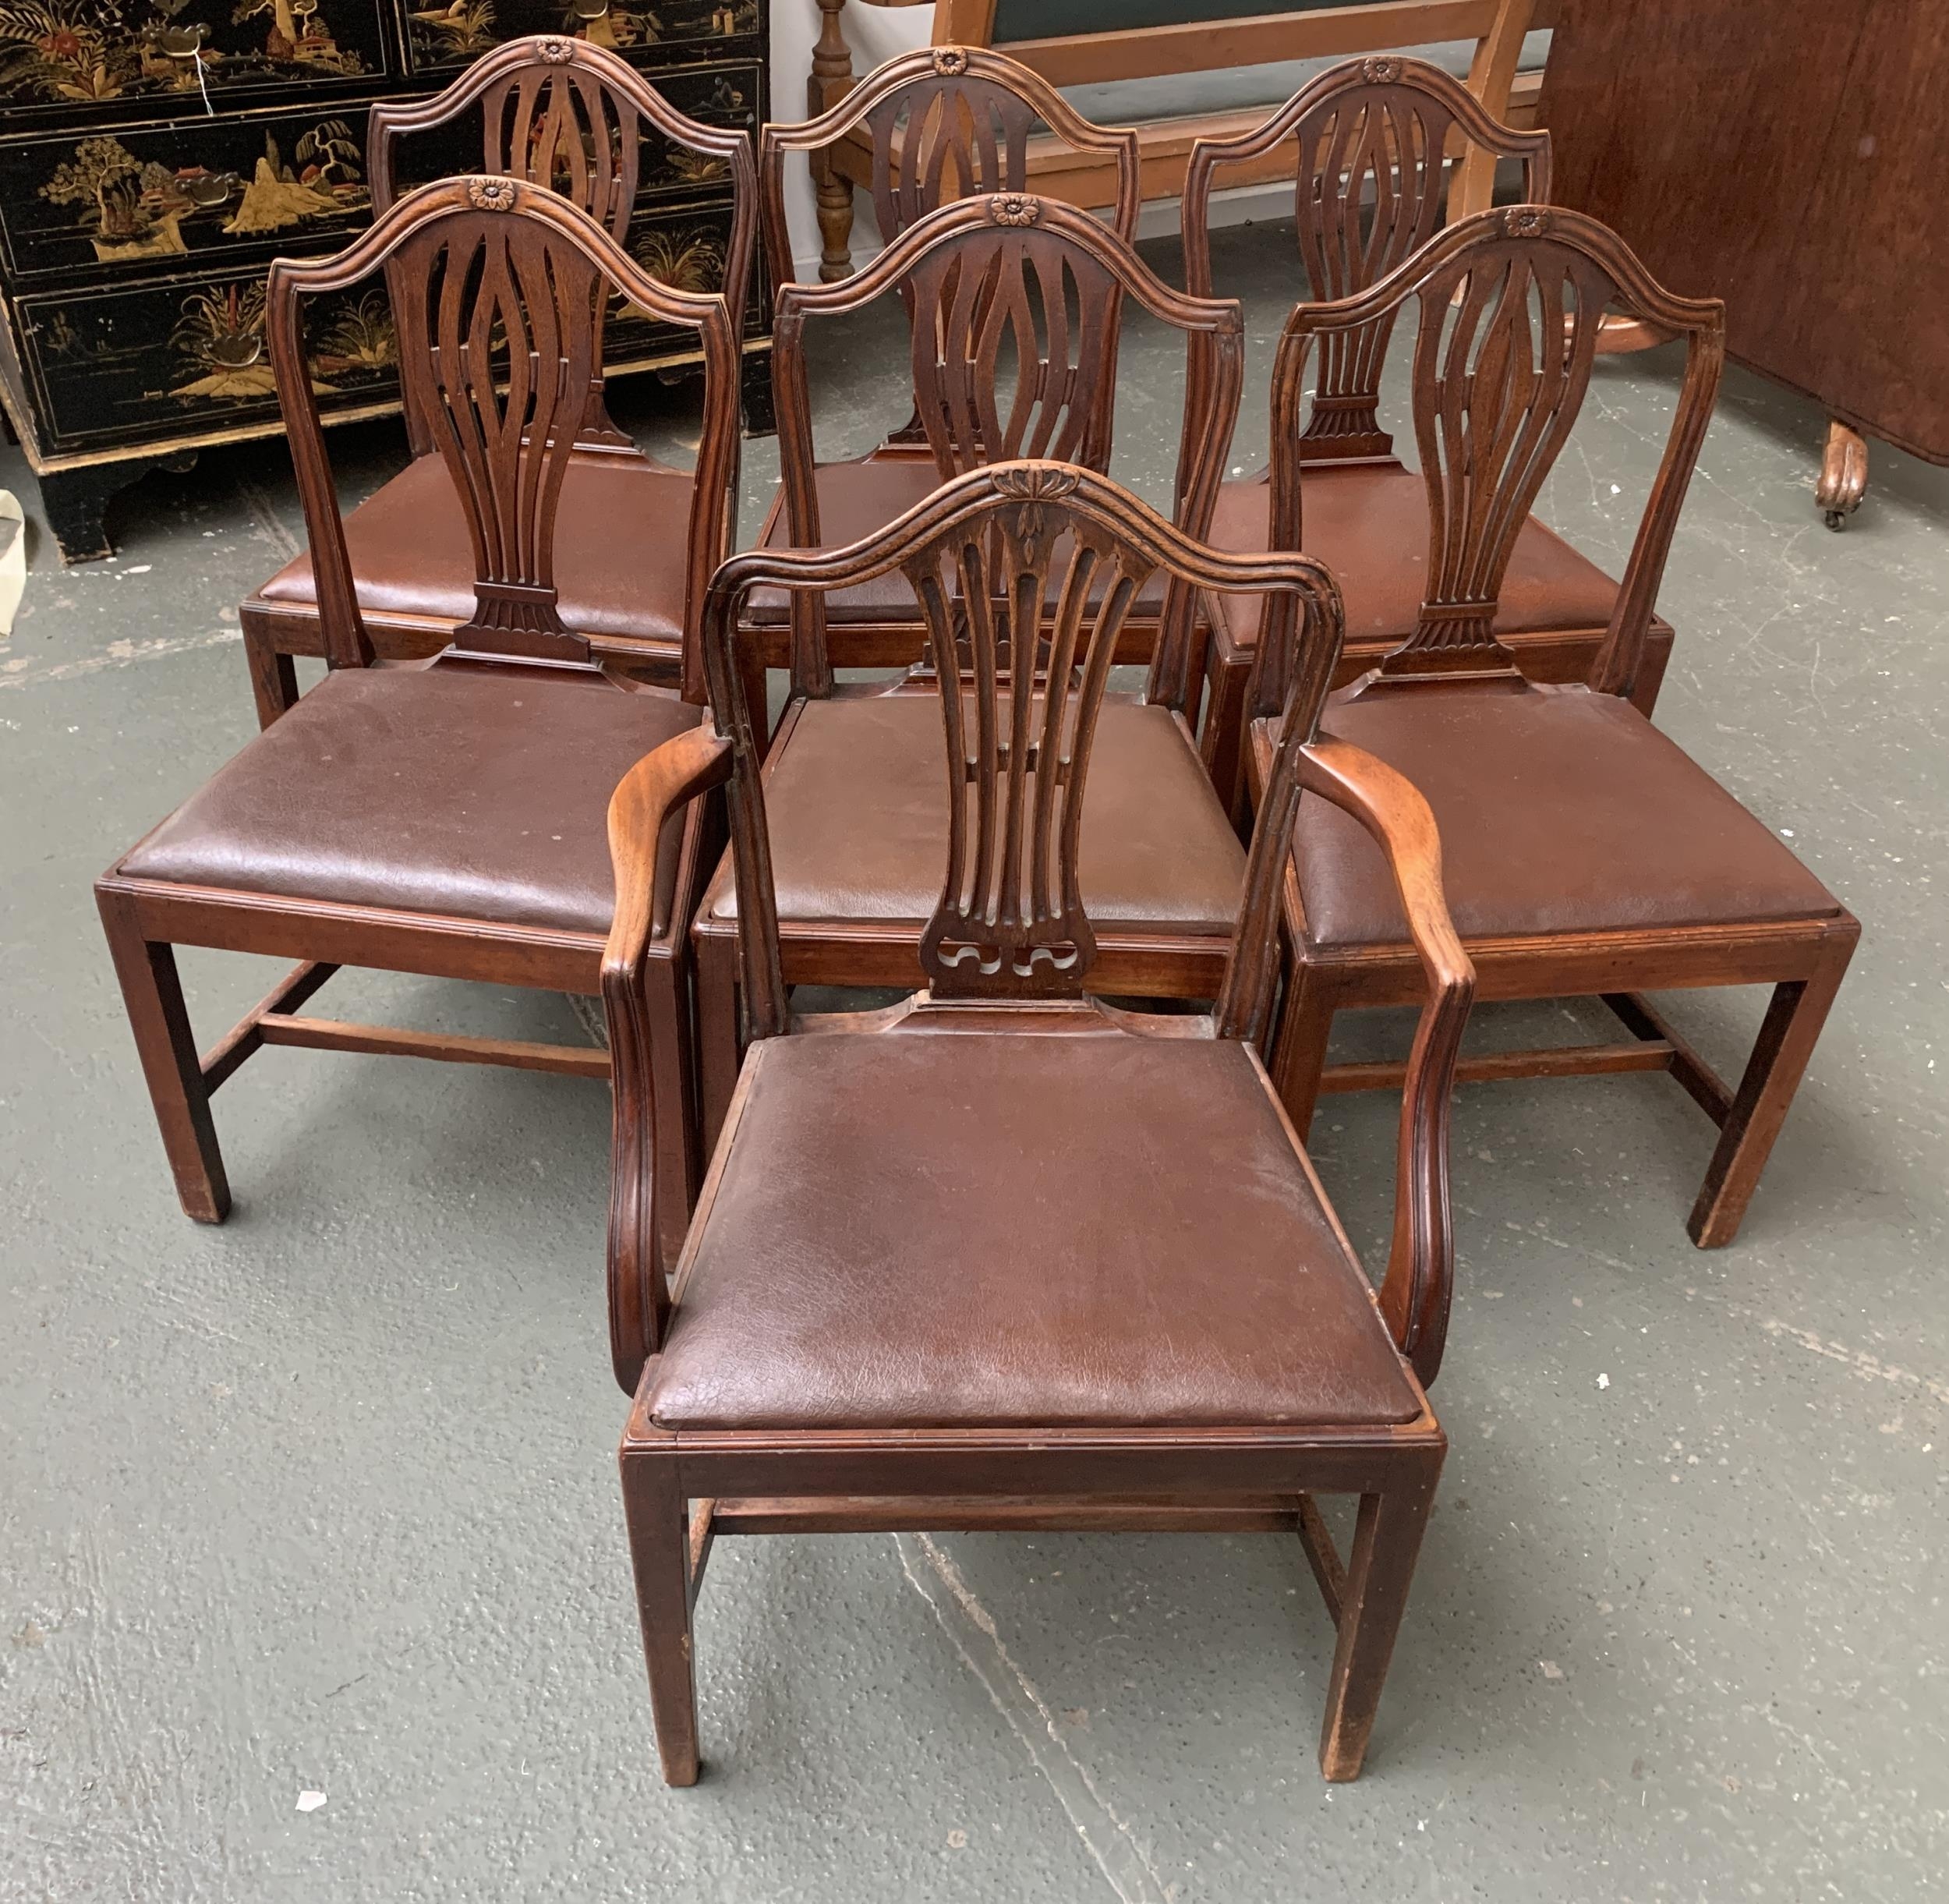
(1787, 156)
(152, 164)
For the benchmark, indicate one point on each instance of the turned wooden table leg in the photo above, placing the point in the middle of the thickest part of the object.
(1843, 473)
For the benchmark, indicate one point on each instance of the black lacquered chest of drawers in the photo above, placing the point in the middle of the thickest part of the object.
(155, 155)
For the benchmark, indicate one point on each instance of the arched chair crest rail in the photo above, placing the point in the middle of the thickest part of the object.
(1072, 1364)
(444, 819)
(1368, 139)
(1586, 854)
(559, 113)
(1012, 351)
(925, 127)
(939, 125)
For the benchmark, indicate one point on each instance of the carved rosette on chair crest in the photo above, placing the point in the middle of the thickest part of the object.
(1017, 208)
(491, 194)
(950, 60)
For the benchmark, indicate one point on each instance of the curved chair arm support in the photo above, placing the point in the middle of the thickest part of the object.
(1420, 1274)
(1326, 92)
(653, 792)
(977, 63)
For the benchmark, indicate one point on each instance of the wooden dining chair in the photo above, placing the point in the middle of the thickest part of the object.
(444, 819)
(1012, 353)
(1004, 1255)
(1585, 853)
(927, 129)
(1370, 137)
(560, 112)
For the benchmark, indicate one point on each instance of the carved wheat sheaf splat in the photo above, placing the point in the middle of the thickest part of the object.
(490, 300)
(1502, 365)
(1018, 739)
(1013, 343)
(1383, 144)
(558, 125)
(946, 136)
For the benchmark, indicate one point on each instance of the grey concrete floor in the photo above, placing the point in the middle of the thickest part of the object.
(325, 1499)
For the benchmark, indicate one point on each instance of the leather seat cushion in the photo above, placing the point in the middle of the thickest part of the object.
(1369, 523)
(463, 792)
(621, 544)
(856, 802)
(1559, 810)
(1003, 1230)
(859, 499)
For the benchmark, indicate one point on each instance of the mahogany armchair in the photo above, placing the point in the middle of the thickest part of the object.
(562, 112)
(444, 819)
(1377, 128)
(941, 124)
(1013, 356)
(1586, 853)
(1134, 1307)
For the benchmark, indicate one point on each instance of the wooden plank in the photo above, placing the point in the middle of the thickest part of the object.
(1323, 1556)
(703, 1532)
(246, 1036)
(1706, 1088)
(935, 1514)
(1488, 1067)
(1208, 46)
(392, 1041)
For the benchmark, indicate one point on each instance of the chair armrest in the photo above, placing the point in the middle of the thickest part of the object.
(1421, 1273)
(656, 788)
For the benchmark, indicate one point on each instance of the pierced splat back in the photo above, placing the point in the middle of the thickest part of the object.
(1015, 300)
(497, 287)
(979, 554)
(1368, 132)
(562, 113)
(944, 122)
(1013, 343)
(1509, 305)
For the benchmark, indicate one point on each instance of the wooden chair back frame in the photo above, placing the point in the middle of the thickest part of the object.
(470, 259)
(966, 114)
(551, 105)
(1378, 127)
(1510, 302)
(975, 274)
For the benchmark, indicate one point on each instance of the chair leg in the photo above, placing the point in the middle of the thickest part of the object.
(659, 1551)
(717, 1055)
(1786, 1042)
(1299, 1052)
(1223, 740)
(273, 676)
(1385, 1543)
(152, 994)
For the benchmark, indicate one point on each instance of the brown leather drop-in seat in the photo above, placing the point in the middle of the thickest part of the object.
(856, 802)
(445, 791)
(857, 500)
(1560, 810)
(621, 548)
(1369, 523)
(898, 1240)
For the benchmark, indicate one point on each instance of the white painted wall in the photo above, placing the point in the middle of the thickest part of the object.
(875, 33)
